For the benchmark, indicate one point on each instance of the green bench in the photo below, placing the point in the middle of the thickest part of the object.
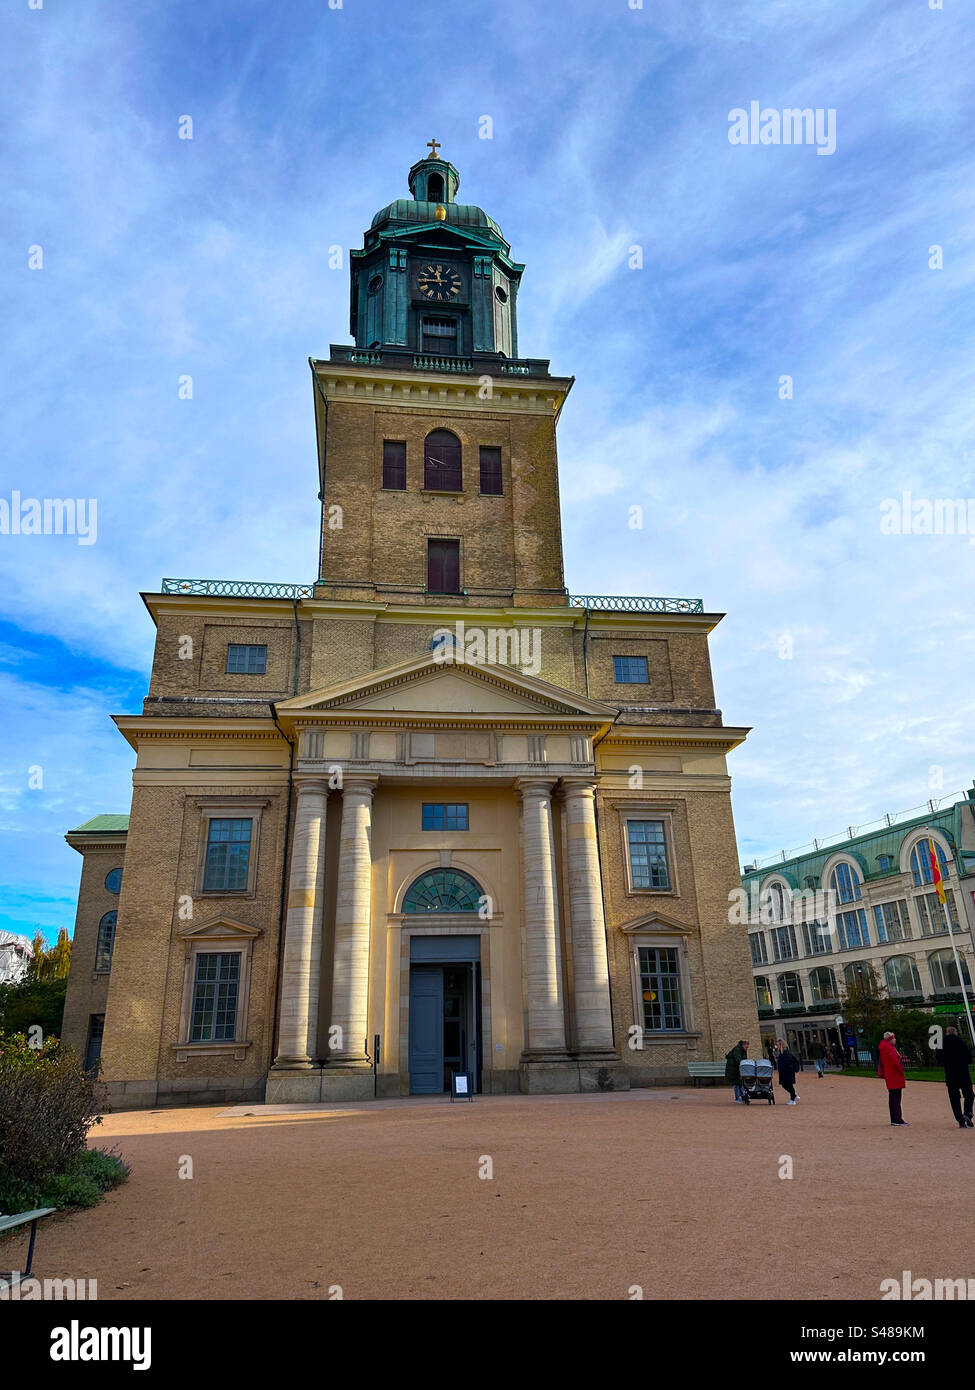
(699, 1071)
(10, 1223)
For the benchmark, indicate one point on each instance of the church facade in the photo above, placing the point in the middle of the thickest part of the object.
(429, 814)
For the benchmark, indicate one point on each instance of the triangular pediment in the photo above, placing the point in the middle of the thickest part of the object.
(656, 922)
(219, 929)
(429, 686)
(445, 233)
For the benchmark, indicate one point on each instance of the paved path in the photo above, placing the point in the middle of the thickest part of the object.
(676, 1191)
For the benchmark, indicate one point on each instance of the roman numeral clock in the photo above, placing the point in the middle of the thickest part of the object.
(438, 282)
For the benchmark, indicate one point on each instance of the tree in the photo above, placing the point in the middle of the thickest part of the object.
(50, 962)
(27, 1003)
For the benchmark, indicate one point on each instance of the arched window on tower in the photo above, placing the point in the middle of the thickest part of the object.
(442, 462)
(435, 188)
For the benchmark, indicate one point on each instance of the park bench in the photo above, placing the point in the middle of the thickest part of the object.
(698, 1070)
(21, 1218)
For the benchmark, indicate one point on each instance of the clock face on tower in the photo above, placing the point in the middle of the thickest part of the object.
(438, 282)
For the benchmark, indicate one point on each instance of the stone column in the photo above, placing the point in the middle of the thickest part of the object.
(302, 965)
(353, 912)
(590, 967)
(543, 966)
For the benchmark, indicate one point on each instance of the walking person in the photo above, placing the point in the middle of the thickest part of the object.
(818, 1053)
(732, 1061)
(890, 1067)
(786, 1065)
(955, 1057)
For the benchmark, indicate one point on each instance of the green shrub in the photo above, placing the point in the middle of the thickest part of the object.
(32, 1002)
(47, 1107)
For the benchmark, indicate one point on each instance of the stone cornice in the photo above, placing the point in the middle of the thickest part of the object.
(415, 389)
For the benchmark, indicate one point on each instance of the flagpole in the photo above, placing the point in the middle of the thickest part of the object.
(954, 950)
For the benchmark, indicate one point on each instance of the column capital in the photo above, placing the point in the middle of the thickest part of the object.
(535, 786)
(359, 786)
(577, 786)
(304, 786)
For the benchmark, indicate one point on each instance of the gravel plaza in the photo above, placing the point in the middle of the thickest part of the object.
(675, 1193)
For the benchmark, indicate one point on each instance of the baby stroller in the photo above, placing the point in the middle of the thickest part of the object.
(756, 1080)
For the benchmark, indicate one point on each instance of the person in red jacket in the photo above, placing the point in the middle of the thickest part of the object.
(891, 1069)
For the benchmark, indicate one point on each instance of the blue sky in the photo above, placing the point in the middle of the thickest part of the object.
(209, 257)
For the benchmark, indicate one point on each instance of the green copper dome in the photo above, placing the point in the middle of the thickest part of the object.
(406, 210)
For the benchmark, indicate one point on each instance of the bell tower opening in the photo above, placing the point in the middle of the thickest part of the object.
(435, 188)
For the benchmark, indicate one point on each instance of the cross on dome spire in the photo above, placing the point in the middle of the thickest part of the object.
(434, 146)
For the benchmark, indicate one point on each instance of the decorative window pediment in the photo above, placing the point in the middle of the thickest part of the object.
(220, 929)
(657, 923)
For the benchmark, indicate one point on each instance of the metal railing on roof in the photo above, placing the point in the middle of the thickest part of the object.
(628, 603)
(237, 588)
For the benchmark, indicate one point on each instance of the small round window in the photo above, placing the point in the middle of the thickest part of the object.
(113, 880)
(375, 284)
(501, 294)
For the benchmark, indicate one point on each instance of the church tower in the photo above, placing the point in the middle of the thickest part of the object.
(436, 441)
(426, 819)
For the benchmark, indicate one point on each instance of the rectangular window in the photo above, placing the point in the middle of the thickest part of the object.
(630, 670)
(215, 988)
(852, 929)
(444, 816)
(648, 854)
(893, 923)
(817, 937)
(439, 336)
(394, 465)
(784, 943)
(932, 914)
(443, 567)
(228, 856)
(246, 660)
(660, 989)
(491, 472)
(790, 991)
(756, 940)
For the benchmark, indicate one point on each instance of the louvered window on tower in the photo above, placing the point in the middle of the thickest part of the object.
(442, 470)
(439, 337)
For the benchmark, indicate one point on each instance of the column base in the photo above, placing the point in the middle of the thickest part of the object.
(318, 1084)
(570, 1073)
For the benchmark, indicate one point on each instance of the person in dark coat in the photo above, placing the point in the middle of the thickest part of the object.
(955, 1057)
(890, 1067)
(732, 1060)
(787, 1066)
(818, 1054)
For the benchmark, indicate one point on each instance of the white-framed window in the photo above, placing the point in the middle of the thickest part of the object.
(776, 903)
(893, 921)
(763, 994)
(216, 996)
(944, 971)
(921, 871)
(845, 882)
(900, 974)
(105, 944)
(822, 985)
(660, 989)
(216, 986)
(851, 929)
(790, 990)
(647, 846)
(758, 947)
(858, 972)
(931, 913)
(818, 938)
(784, 946)
(228, 851)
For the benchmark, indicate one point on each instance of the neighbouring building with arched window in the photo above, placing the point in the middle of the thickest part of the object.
(868, 907)
(428, 812)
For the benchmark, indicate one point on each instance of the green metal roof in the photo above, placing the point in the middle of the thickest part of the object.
(406, 210)
(867, 850)
(101, 824)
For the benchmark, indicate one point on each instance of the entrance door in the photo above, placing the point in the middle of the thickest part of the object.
(445, 1025)
(426, 1029)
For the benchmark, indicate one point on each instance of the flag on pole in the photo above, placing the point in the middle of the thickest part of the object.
(936, 878)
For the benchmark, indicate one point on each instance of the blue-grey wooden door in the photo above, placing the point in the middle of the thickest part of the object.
(426, 1030)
